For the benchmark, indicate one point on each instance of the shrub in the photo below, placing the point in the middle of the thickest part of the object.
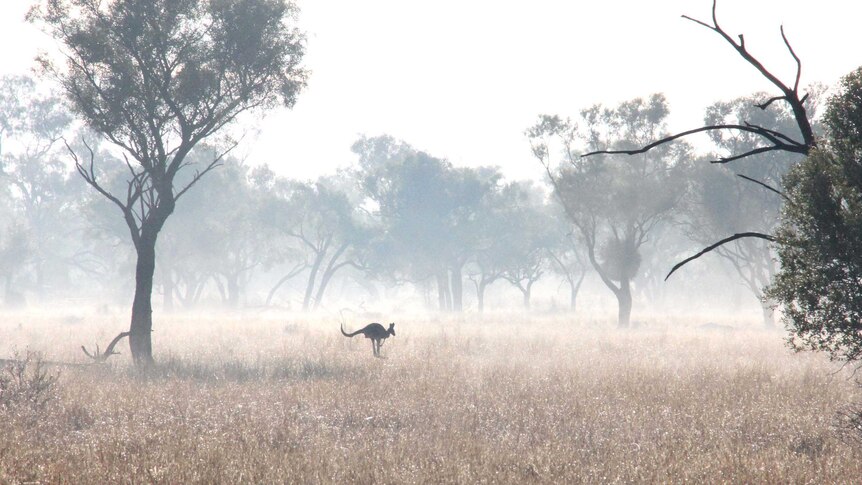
(25, 382)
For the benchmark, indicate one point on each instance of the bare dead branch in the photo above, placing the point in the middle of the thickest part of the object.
(789, 94)
(749, 153)
(711, 247)
(99, 356)
(779, 140)
(795, 58)
(764, 185)
(769, 101)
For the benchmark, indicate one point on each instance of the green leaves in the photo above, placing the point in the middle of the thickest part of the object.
(820, 237)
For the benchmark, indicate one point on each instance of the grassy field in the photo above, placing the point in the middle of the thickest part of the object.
(503, 400)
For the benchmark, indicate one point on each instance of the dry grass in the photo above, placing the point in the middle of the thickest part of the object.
(509, 401)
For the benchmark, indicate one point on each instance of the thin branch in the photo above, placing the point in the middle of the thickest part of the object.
(717, 245)
(795, 58)
(199, 174)
(749, 153)
(769, 101)
(764, 185)
(787, 145)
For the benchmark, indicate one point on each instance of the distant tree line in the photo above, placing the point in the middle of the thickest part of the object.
(397, 216)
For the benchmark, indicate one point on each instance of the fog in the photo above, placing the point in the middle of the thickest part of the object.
(460, 194)
(399, 229)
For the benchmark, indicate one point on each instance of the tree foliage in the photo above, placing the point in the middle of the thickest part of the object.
(820, 236)
(157, 77)
(615, 204)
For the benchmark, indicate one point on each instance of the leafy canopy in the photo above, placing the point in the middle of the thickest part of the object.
(820, 236)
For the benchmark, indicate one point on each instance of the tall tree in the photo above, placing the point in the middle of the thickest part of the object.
(220, 240)
(157, 77)
(527, 236)
(428, 211)
(801, 139)
(614, 204)
(325, 223)
(31, 124)
(567, 253)
(724, 200)
(820, 236)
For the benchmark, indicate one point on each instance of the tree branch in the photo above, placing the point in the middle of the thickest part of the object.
(788, 144)
(109, 351)
(717, 245)
(764, 185)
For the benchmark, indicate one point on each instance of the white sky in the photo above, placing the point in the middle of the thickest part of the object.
(463, 79)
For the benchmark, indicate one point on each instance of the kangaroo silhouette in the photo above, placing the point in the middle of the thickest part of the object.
(376, 332)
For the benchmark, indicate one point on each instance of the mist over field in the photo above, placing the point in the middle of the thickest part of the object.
(521, 270)
(507, 398)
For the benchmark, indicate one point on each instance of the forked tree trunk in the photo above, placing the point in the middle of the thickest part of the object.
(331, 269)
(480, 295)
(312, 280)
(575, 288)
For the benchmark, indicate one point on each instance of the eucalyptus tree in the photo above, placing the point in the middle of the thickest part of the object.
(327, 227)
(527, 237)
(428, 212)
(820, 236)
(32, 122)
(155, 78)
(614, 204)
(724, 200)
(215, 241)
(488, 263)
(799, 139)
(566, 253)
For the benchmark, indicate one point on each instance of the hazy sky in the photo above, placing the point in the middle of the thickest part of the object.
(463, 79)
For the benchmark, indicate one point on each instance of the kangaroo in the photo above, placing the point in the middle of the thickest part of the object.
(375, 332)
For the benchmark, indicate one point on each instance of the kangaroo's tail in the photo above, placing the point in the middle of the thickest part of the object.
(348, 334)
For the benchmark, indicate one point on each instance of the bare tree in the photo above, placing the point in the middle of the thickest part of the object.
(770, 139)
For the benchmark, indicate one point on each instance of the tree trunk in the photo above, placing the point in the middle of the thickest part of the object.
(480, 295)
(526, 292)
(200, 284)
(444, 298)
(575, 288)
(331, 269)
(312, 278)
(457, 289)
(233, 290)
(221, 291)
(624, 300)
(140, 331)
(275, 288)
